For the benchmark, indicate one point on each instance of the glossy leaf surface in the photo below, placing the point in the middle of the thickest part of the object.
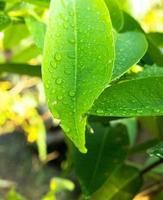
(102, 159)
(130, 48)
(138, 97)
(78, 61)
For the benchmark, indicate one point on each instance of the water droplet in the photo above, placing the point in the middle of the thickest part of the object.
(158, 154)
(99, 111)
(60, 97)
(59, 81)
(72, 41)
(54, 103)
(72, 93)
(58, 56)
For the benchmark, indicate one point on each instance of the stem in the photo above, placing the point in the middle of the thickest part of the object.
(150, 167)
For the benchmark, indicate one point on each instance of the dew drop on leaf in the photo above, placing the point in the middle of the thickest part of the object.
(59, 81)
(60, 97)
(100, 111)
(58, 56)
(72, 93)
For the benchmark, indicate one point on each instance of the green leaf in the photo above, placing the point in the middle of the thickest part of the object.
(130, 24)
(138, 97)
(122, 185)
(107, 149)
(37, 30)
(25, 54)
(22, 69)
(157, 150)
(4, 21)
(157, 38)
(131, 125)
(43, 3)
(116, 14)
(130, 48)
(13, 195)
(20, 32)
(2, 5)
(78, 62)
(155, 53)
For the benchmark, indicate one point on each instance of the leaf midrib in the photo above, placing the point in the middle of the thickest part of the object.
(76, 65)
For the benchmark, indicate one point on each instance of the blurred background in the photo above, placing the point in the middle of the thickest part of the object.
(33, 150)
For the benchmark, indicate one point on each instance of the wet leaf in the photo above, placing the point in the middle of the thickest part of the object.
(141, 96)
(130, 48)
(78, 62)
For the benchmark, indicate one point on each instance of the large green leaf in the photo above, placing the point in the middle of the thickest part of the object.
(130, 48)
(122, 185)
(140, 96)
(37, 30)
(18, 68)
(78, 61)
(4, 21)
(107, 149)
(116, 14)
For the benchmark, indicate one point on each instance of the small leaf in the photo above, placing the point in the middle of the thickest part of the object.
(4, 21)
(78, 61)
(116, 14)
(20, 32)
(138, 97)
(157, 150)
(14, 195)
(25, 54)
(107, 149)
(123, 184)
(37, 30)
(130, 48)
